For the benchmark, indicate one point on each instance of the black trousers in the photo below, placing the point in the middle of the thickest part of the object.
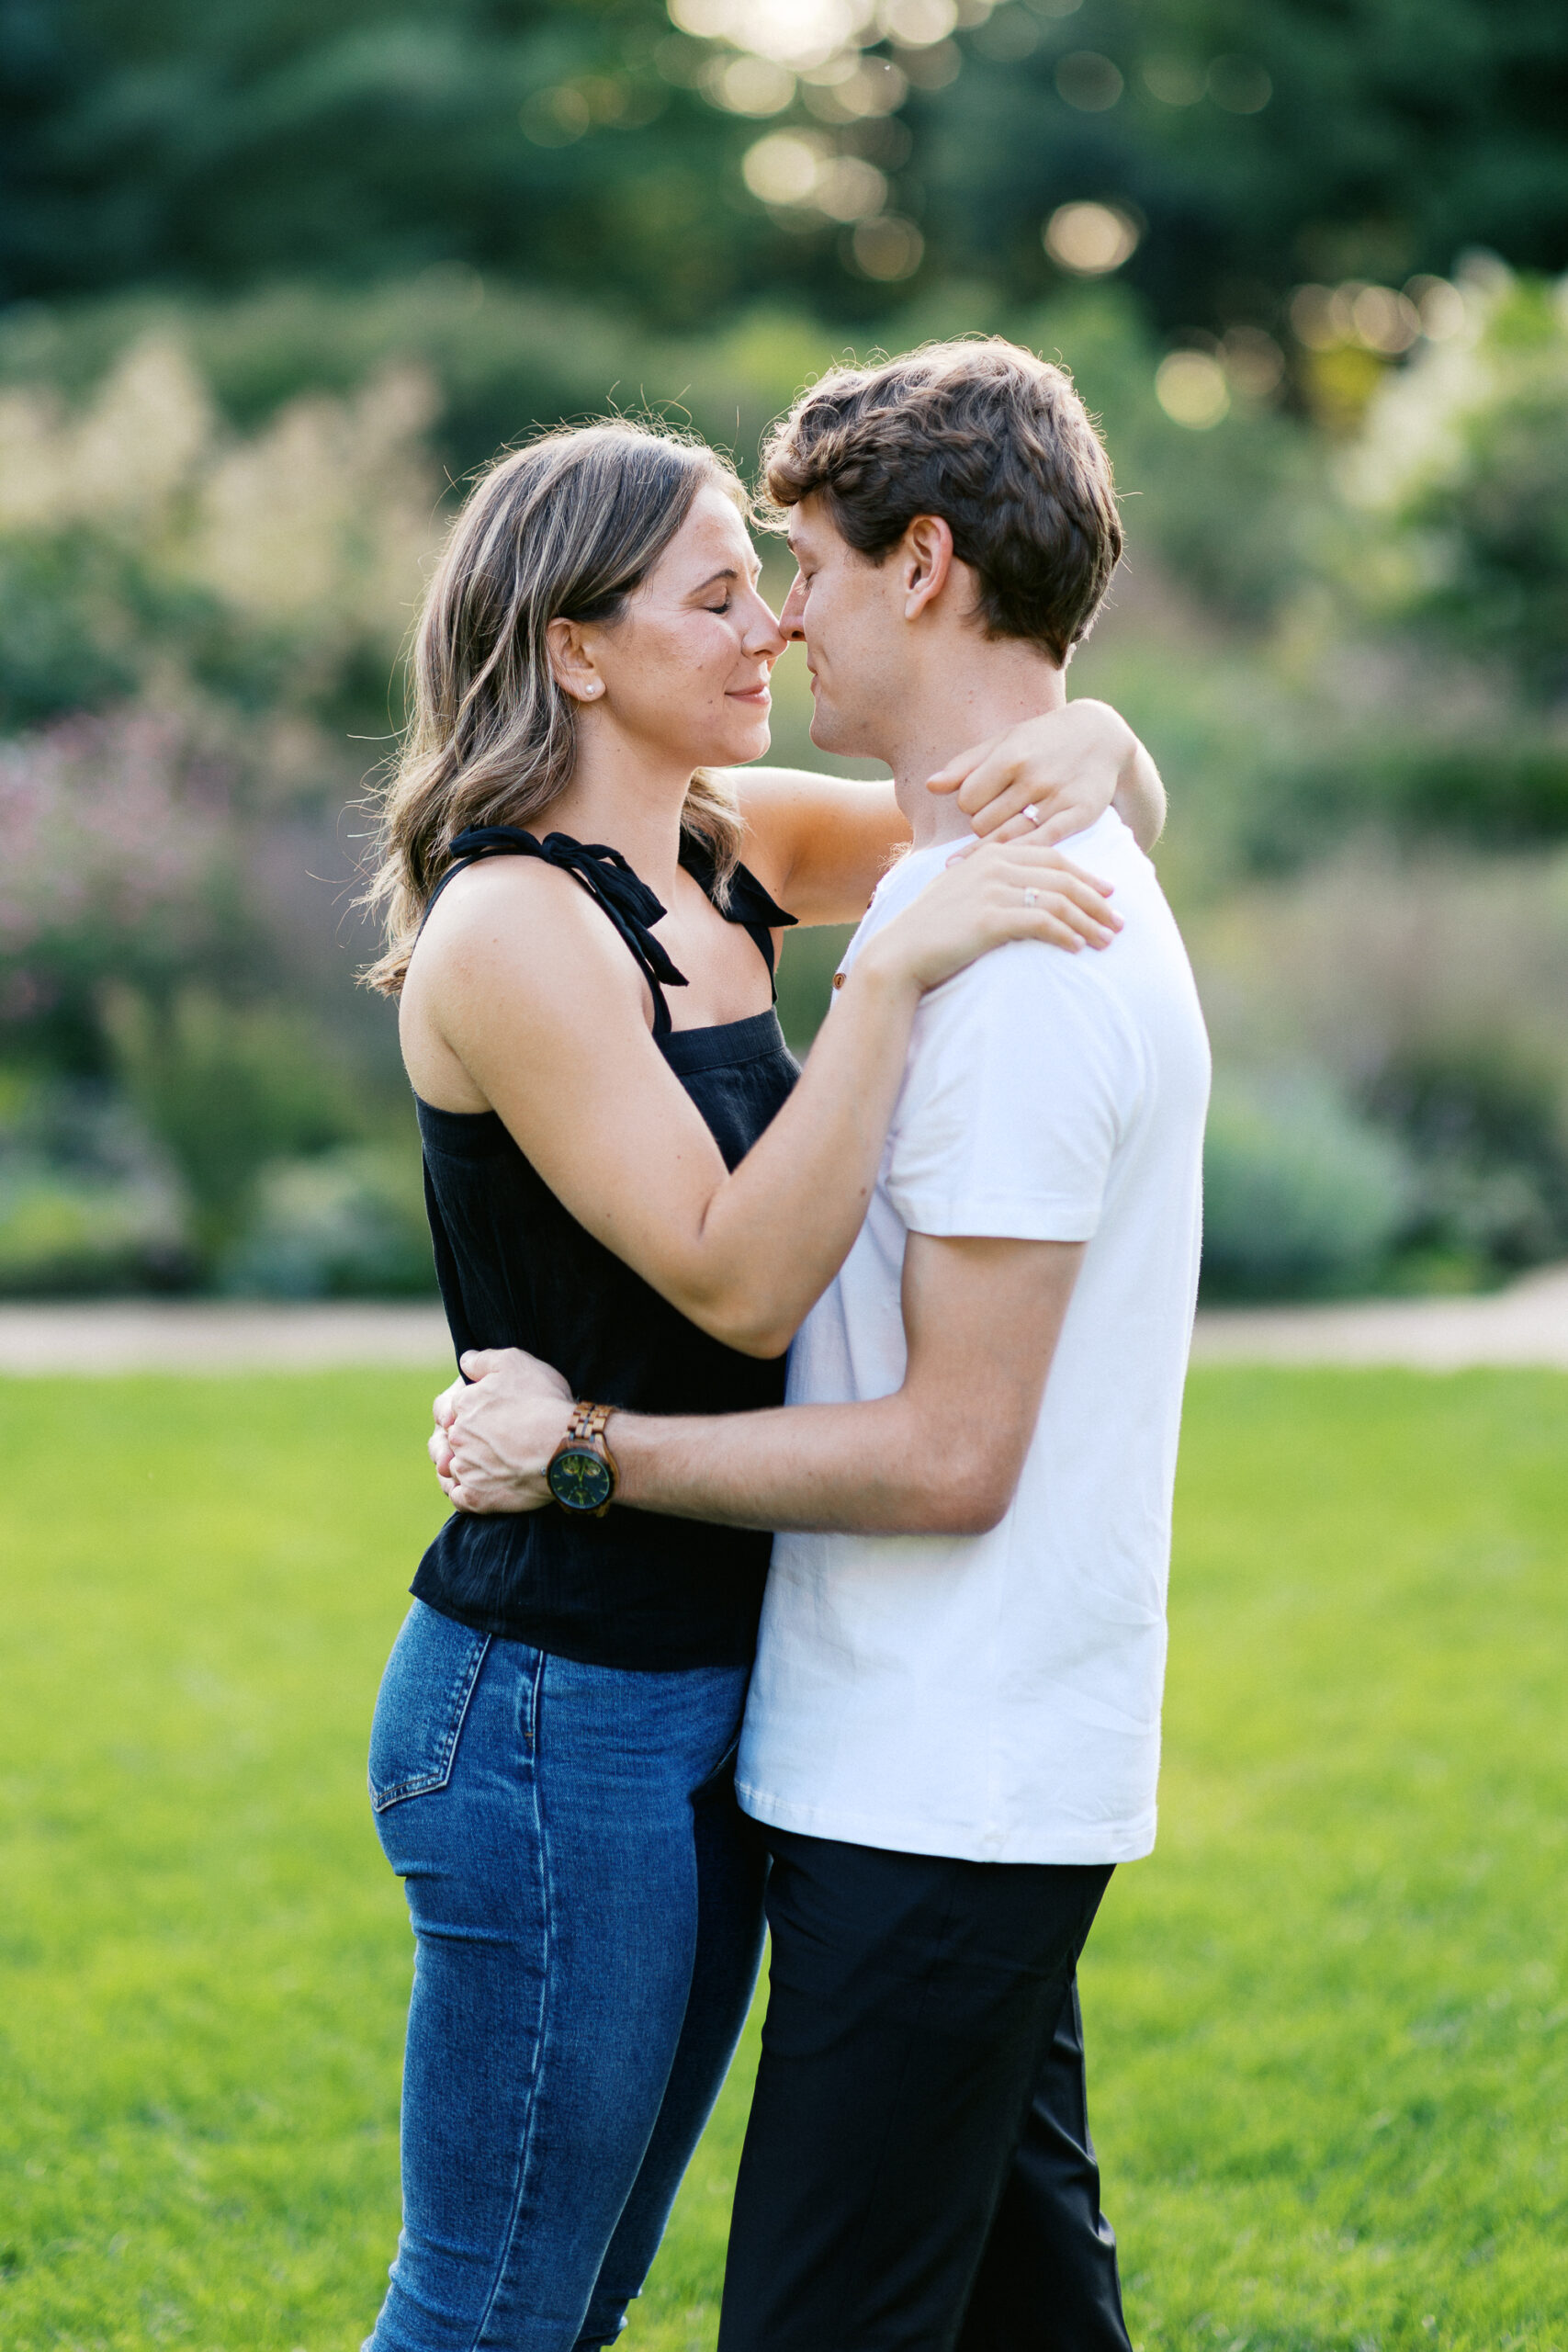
(917, 2174)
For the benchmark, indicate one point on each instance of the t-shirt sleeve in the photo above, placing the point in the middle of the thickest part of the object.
(1023, 1072)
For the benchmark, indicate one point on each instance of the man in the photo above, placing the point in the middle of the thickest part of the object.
(953, 1732)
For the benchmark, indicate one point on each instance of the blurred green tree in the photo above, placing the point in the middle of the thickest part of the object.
(1464, 462)
(1256, 143)
(587, 145)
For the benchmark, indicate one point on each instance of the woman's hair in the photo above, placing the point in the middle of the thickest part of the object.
(565, 528)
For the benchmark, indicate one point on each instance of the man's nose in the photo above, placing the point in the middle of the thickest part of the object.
(794, 608)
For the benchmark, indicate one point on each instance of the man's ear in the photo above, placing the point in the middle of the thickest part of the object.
(926, 560)
(572, 662)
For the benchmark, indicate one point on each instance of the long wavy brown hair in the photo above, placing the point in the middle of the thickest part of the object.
(566, 528)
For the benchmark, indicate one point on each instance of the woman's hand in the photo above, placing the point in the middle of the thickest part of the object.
(495, 1433)
(1002, 890)
(1054, 776)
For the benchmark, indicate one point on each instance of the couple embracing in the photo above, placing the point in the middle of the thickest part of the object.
(972, 1220)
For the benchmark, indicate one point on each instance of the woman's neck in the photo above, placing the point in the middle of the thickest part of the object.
(629, 799)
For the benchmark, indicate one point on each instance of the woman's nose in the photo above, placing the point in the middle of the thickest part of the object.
(765, 634)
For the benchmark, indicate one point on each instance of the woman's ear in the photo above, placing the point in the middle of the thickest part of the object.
(572, 661)
(927, 560)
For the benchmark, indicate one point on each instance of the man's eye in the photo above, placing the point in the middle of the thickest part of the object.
(720, 608)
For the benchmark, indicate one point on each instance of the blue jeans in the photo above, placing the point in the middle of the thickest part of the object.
(586, 1899)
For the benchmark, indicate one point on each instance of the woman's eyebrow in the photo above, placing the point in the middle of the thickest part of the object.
(713, 578)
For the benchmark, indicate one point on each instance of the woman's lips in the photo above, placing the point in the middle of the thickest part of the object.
(760, 696)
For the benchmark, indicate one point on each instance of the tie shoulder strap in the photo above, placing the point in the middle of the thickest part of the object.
(603, 872)
(749, 904)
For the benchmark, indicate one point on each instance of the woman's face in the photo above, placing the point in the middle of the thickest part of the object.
(683, 673)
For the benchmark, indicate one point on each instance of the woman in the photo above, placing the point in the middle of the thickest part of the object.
(625, 1178)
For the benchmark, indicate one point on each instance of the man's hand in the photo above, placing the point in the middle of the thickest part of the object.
(494, 1435)
(1055, 775)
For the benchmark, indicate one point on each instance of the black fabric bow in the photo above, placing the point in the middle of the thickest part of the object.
(604, 874)
(748, 902)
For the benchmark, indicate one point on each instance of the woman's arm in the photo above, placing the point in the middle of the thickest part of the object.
(996, 781)
(526, 984)
(822, 843)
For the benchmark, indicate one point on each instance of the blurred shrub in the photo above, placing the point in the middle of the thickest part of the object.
(140, 529)
(500, 360)
(227, 1089)
(349, 1223)
(114, 862)
(1487, 1133)
(1499, 780)
(87, 1201)
(1431, 995)
(1300, 1197)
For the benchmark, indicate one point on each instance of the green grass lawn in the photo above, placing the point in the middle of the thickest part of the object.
(1329, 2021)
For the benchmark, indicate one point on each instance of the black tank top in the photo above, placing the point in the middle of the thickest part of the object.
(517, 1270)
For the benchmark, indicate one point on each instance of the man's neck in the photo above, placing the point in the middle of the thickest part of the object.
(985, 688)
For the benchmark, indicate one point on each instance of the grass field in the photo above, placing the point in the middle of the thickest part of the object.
(1329, 2021)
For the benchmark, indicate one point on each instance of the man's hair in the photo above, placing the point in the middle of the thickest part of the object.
(994, 441)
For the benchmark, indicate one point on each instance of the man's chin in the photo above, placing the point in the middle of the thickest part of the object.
(828, 729)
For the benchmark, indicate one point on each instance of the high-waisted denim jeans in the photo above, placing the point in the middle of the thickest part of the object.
(587, 1908)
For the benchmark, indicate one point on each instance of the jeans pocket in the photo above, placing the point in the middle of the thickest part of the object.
(420, 1707)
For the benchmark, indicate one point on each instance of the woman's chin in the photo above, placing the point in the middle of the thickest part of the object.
(738, 747)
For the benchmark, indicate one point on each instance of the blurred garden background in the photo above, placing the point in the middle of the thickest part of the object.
(274, 279)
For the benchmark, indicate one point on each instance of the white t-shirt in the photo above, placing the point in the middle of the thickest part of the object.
(997, 1696)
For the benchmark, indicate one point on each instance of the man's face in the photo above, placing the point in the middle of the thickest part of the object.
(849, 611)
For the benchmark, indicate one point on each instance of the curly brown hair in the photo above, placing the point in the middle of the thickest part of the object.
(989, 437)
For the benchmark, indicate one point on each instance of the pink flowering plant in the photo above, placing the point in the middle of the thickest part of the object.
(116, 862)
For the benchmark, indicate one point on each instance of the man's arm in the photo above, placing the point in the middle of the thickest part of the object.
(940, 1456)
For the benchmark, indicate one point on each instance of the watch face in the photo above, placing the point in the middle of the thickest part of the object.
(580, 1481)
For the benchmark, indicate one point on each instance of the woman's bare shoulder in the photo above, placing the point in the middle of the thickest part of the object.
(515, 953)
(517, 922)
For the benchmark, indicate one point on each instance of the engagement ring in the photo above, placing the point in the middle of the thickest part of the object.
(1032, 813)
(1032, 898)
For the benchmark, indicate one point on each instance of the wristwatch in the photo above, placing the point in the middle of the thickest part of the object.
(583, 1473)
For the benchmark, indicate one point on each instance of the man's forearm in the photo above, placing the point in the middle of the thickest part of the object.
(868, 1469)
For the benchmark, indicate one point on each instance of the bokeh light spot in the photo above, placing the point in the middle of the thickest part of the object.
(917, 24)
(1089, 239)
(783, 168)
(888, 248)
(1087, 81)
(1192, 390)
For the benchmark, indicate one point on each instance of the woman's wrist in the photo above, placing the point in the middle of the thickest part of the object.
(881, 974)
